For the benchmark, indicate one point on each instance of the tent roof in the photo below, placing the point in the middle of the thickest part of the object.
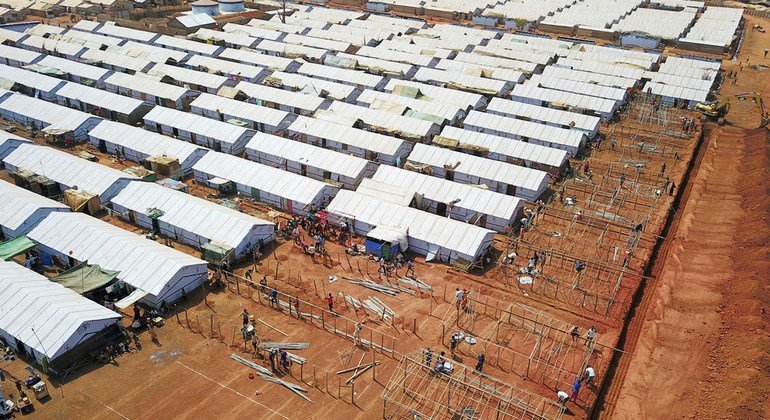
(433, 229)
(65, 168)
(274, 181)
(444, 191)
(482, 168)
(142, 263)
(43, 314)
(189, 213)
(17, 205)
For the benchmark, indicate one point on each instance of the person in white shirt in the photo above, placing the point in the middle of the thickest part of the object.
(590, 375)
(563, 397)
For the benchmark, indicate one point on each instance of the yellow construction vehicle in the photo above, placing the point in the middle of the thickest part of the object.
(721, 107)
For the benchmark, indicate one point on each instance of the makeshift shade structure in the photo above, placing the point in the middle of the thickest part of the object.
(84, 278)
(14, 247)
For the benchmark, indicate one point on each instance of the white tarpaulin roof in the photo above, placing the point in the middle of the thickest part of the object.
(53, 115)
(226, 133)
(446, 233)
(547, 115)
(366, 140)
(507, 146)
(43, 314)
(262, 177)
(201, 217)
(443, 191)
(99, 98)
(482, 168)
(66, 169)
(17, 205)
(143, 141)
(142, 263)
(325, 159)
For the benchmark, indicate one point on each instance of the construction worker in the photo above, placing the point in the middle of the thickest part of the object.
(563, 397)
(409, 268)
(590, 375)
(575, 333)
(245, 316)
(480, 362)
(357, 332)
(575, 389)
(590, 335)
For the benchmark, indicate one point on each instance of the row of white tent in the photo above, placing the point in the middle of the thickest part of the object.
(501, 177)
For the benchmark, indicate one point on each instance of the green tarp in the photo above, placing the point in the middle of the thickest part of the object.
(14, 247)
(84, 278)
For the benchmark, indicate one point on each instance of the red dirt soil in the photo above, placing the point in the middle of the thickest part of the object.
(699, 347)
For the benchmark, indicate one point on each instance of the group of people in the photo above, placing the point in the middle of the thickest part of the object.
(390, 268)
(279, 360)
(688, 124)
(588, 377)
(590, 334)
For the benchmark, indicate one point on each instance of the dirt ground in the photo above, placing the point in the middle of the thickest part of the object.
(699, 346)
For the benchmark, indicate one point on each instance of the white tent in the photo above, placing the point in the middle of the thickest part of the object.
(21, 210)
(164, 273)
(137, 144)
(9, 142)
(428, 234)
(35, 84)
(498, 176)
(467, 203)
(45, 115)
(260, 118)
(308, 160)
(545, 135)
(284, 190)
(509, 150)
(149, 90)
(190, 219)
(366, 144)
(68, 170)
(44, 318)
(214, 134)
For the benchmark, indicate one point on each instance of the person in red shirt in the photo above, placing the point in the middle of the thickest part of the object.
(330, 302)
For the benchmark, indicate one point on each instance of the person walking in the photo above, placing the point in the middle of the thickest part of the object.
(480, 362)
(254, 342)
(296, 307)
(273, 353)
(663, 169)
(671, 189)
(263, 284)
(409, 268)
(151, 330)
(458, 297)
(245, 315)
(330, 302)
(454, 341)
(273, 298)
(766, 50)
